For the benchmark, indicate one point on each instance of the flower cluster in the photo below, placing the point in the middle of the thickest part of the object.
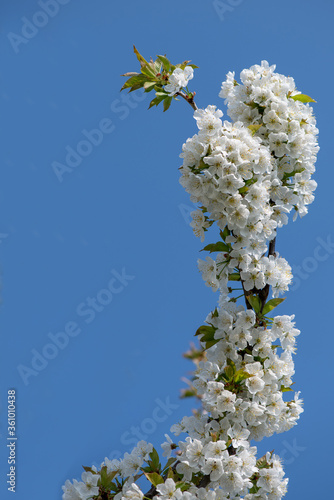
(179, 79)
(270, 101)
(255, 272)
(245, 176)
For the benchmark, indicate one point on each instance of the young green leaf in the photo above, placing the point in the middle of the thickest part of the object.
(302, 98)
(167, 103)
(169, 463)
(88, 469)
(210, 343)
(271, 304)
(148, 71)
(216, 247)
(170, 474)
(140, 58)
(241, 375)
(225, 233)
(154, 478)
(285, 389)
(106, 478)
(148, 86)
(255, 302)
(234, 277)
(165, 62)
(205, 330)
(155, 461)
(254, 128)
(134, 80)
(157, 100)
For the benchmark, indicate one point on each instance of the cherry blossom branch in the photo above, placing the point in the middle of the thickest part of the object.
(190, 100)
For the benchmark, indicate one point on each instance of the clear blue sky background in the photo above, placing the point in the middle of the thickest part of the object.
(123, 208)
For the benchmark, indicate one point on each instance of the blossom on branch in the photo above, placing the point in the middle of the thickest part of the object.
(246, 177)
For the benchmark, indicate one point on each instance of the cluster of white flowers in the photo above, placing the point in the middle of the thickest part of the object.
(126, 468)
(179, 79)
(250, 183)
(241, 383)
(82, 490)
(287, 129)
(246, 176)
(255, 272)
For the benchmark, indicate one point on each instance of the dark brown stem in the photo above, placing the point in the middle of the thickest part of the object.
(190, 100)
(263, 294)
(272, 245)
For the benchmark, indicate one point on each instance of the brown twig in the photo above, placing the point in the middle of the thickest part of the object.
(190, 100)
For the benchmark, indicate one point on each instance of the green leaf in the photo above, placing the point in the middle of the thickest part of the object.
(202, 165)
(183, 65)
(187, 393)
(210, 343)
(254, 128)
(207, 332)
(231, 363)
(225, 233)
(157, 100)
(140, 57)
(114, 487)
(234, 277)
(165, 62)
(208, 335)
(271, 304)
(157, 66)
(229, 372)
(106, 478)
(148, 86)
(170, 462)
(88, 469)
(216, 247)
(154, 478)
(170, 474)
(183, 486)
(155, 459)
(134, 80)
(255, 302)
(285, 389)
(215, 313)
(262, 463)
(241, 375)
(254, 489)
(302, 98)
(149, 71)
(167, 102)
(287, 175)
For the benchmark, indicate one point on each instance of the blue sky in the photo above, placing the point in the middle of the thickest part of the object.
(119, 218)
